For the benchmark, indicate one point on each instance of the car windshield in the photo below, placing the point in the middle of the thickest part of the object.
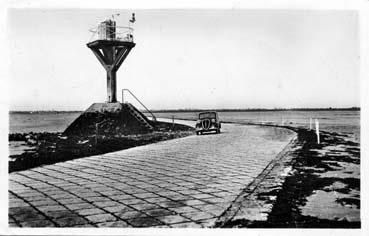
(207, 115)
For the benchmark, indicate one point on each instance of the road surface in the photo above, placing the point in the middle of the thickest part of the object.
(186, 182)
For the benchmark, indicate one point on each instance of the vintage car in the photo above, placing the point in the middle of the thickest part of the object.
(208, 121)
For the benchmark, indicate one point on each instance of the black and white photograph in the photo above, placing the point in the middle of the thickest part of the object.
(174, 118)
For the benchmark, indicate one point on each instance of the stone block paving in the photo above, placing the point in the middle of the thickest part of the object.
(187, 182)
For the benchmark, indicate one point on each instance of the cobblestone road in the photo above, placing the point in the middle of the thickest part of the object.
(185, 182)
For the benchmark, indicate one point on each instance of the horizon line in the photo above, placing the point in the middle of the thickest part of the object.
(211, 109)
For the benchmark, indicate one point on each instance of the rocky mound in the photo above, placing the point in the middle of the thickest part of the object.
(109, 119)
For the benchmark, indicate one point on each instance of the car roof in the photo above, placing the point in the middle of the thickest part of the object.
(204, 112)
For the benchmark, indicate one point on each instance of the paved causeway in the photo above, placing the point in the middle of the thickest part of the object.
(186, 182)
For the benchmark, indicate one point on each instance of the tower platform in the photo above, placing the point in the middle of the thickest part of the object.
(110, 43)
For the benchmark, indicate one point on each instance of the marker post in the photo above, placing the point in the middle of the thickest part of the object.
(317, 130)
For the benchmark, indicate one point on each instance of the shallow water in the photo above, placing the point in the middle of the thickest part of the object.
(331, 210)
(40, 122)
(18, 147)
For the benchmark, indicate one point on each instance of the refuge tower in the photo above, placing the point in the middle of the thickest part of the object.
(111, 48)
(111, 45)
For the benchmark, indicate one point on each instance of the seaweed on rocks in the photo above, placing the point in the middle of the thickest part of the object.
(308, 166)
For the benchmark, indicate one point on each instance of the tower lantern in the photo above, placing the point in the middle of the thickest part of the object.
(111, 45)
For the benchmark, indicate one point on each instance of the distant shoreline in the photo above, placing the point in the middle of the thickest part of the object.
(200, 110)
(259, 109)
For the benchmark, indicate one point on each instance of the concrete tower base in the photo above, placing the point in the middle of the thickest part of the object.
(110, 119)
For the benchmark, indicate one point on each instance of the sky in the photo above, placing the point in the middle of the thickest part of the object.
(204, 59)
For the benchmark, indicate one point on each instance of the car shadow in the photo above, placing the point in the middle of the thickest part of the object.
(213, 133)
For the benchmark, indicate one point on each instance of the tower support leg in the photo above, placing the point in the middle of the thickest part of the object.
(112, 85)
(111, 55)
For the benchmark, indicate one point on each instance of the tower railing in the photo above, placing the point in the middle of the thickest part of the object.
(127, 90)
(118, 33)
